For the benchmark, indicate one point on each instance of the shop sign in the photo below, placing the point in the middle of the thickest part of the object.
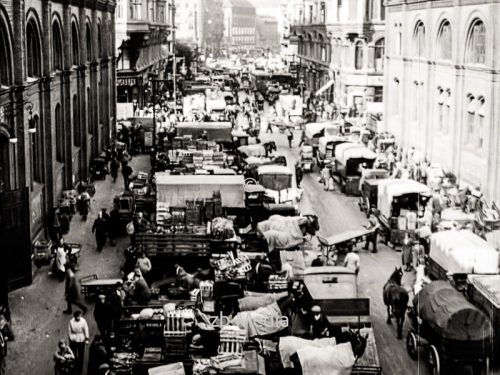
(127, 81)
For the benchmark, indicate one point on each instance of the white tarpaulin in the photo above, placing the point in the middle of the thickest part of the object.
(314, 128)
(347, 151)
(390, 188)
(330, 360)
(176, 190)
(463, 252)
(290, 344)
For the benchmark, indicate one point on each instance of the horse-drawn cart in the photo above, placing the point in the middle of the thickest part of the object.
(453, 331)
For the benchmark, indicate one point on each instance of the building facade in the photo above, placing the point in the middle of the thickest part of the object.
(267, 36)
(143, 46)
(357, 32)
(57, 112)
(311, 57)
(239, 25)
(442, 87)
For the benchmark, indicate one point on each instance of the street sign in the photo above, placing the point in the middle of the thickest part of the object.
(126, 81)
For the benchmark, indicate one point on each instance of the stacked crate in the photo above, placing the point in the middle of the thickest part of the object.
(193, 213)
(231, 340)
(217, 204)
(277, 283)
(163, 217)
(178, 324)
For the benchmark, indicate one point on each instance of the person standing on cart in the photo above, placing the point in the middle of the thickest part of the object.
(374, 226)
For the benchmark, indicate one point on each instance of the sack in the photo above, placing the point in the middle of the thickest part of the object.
(130, 228)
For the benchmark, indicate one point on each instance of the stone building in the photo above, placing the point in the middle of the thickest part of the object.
(267, 36)
(442, 88)
(143, 29)
(57, 108)
(239, 25)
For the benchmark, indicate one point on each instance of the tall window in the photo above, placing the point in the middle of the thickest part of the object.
(33, 55)
(358, 59)
(379, 55)
(476, 44)
(419, 39)
(37, 152)
(100, 51)
(445, 41)
(311, 14)
(90, 124)
(77, 130)
(440, 108)
(88, 43)
(75, 50)
(59, 134)
(5, 57)
(480, 123)
(446, 111)
(395, 97)
(323, 12)
(57, 51)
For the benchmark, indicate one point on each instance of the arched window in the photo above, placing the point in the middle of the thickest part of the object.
(33, 55)
(90, 127)
(37, 151)
(476, 44)
(59, 134)
(57, 51)
(75, 50)
(445, 41)
(77, 130)
(88, 44)
(5, 56)
(358, 58)
(100, 50)
(419, 39)
(379, 55)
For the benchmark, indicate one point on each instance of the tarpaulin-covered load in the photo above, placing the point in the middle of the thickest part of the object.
(194, 103)
(450, 315)
(289, 345)
(175, 190)
(256, 150)
(275, 177)
(250, 303)
(489, 286)
(282, 232)
(216, 131)
(463, 252)
(171, 369)
(324, 142)
(216, 105)
(348, 151)
(391, 188)
(263, 321)
(330, 360)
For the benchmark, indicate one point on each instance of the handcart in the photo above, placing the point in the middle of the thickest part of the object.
(342, 242)
(92, 286)
(453, 332)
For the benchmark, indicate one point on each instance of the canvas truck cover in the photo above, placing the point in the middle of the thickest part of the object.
(175, 190)
(324, 141)
(216, 131)
(489, 286)
(215, 105)
(330, 282)
(348, 151)
(463, 252)
(449, 314)
(390, 188)
(275, 177)
(314, 128)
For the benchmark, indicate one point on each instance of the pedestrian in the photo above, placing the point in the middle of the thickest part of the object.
(114, 166)
(126, 173)
(116, 299)
(61, 259)
(290, 137)
(144, 264)
(72, 292)
(114, 225)
(78, 331)
(352, 261)
(407, 254)
(299, 173)
(98, 355)
(6, 334)
(318, 323)
(64, 359)
(103, 315)
(140, 224)
(325, 176)
(373, 225)
(100, 228)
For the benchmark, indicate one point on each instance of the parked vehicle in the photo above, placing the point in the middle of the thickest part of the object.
(370, 179)
(350, 160)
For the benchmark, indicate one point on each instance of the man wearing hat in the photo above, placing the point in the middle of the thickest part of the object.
(318, 323)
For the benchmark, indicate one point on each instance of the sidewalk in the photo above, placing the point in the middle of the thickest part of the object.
(37, 310)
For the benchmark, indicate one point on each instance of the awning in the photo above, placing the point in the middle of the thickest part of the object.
(325, 87)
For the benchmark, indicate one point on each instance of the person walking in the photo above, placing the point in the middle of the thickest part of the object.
(6, 335)
(144, 264)
(352, 261)
(374, 225)
(103, 315)
(61, 258)
(78, 331)
(407, 254)
(325, 177)
(299, 173)
(72, 292)
(290, 137)
(116, 299)
(114, 166)
(114, 225)
(100, 228)
(126, 173)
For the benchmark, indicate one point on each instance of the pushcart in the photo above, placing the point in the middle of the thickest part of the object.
(342, 242)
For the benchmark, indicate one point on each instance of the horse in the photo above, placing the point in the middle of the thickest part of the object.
(358, 346)
(396, 299)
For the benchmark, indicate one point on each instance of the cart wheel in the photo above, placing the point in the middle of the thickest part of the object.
(412, 345)
(434, 361)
